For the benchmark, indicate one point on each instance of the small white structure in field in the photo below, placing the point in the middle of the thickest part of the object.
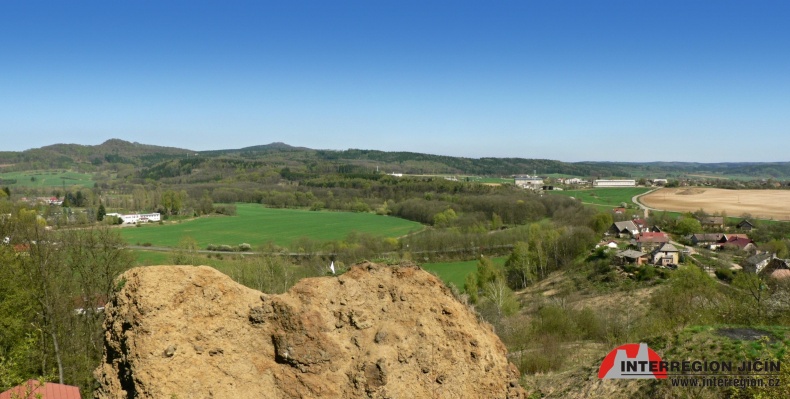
(332, 267)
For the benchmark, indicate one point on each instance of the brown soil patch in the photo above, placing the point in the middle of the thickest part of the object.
(373, 332)
(764, 204)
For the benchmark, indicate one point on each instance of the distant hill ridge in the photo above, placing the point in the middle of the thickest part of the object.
(117, 151)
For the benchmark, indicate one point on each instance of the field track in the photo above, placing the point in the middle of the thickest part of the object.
(762, 204)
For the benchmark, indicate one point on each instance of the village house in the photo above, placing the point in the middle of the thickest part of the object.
(666, 255)
(641, 224)
(739, 243)
(777, 268)
(632, 257)
(712, 222)
(648, 241)
(745, 225)
(756, 263)
(623, 229)
(708, 239)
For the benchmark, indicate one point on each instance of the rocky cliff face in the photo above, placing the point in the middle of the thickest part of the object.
(375, 331)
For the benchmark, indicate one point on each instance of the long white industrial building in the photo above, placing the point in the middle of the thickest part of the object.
(138, 217)
(614, 183)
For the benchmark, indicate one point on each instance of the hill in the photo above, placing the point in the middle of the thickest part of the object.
(306, 160)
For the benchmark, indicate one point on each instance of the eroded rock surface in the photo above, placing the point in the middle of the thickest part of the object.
(375, 331)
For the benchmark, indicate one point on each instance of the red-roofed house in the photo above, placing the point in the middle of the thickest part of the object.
(740, 243)
(33, 389)
(649, 241)
(641, 224)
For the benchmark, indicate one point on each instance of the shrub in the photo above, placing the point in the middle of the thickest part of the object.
(245, 247)
(725, 274)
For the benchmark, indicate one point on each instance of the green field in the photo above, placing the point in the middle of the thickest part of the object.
(455, 272)
(610, 197)
(148, 258)
(257, 225)
(486, 180)
(53, 178)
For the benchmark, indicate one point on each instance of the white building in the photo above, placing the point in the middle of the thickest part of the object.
(527, 181)
(575, 180)
(137, 217)
(614, 183)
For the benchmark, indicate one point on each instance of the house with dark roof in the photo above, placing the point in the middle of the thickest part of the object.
(745, 225)
(666, 255)
(756, 263)
(33, 389)
(623, 229)
(707, 239)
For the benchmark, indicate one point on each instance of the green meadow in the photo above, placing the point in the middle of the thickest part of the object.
(50, 178)
(610, 197)
(256, 225)
(455, 272)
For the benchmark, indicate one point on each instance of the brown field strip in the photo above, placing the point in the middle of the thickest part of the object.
(763, 204)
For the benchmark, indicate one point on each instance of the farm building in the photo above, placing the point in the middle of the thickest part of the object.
(575, 181)
(137, 217)
(614, 183)
(527, 181)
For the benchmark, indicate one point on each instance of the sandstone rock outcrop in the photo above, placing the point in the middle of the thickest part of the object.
(375, 331)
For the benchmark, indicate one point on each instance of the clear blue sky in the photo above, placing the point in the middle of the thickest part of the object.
(626, 80)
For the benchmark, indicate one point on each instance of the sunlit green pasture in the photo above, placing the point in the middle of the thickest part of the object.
(46, 178)
(455, 272)
(257, 225)
(609, 196)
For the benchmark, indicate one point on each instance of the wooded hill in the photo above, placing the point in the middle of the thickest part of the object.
(116, 153)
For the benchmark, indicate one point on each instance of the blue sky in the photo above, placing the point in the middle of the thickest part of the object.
(628, 80)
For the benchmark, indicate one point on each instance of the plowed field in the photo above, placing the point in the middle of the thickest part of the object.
(763, 204)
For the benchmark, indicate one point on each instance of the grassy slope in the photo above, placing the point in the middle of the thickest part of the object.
(257, 225)
(48, 179)
(455, 272)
